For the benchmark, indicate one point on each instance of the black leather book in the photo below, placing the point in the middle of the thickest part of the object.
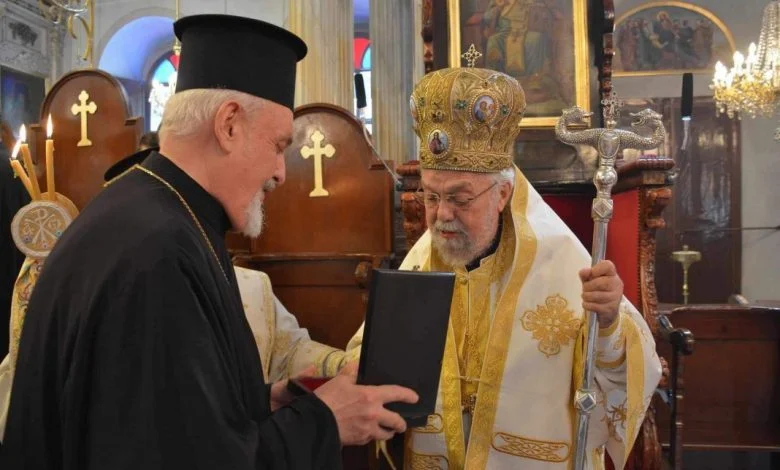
(404, 336)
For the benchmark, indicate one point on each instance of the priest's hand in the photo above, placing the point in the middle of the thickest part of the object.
(281, 395)
(602, 291)
(359, 409)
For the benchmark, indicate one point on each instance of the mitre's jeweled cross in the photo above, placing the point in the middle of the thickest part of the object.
(83, 108)
(471, 56)
(318, 151)
(612, 107)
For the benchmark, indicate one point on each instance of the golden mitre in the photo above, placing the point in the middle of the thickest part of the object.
(467, 119)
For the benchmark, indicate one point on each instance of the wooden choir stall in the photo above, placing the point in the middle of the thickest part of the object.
(328, 226)
(724, 386)
(93, 129)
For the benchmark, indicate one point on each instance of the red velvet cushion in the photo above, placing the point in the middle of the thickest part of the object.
(574, 210)
(623, 242)
(622, 236)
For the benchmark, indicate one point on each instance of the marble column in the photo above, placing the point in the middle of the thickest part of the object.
(418, 62)
(418, 58)
(325, 75)
(56, 51)
(394, 35)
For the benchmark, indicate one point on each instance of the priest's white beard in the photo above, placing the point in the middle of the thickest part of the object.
(255, 213)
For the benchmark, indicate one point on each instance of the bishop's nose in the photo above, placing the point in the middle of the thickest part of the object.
(444, 213)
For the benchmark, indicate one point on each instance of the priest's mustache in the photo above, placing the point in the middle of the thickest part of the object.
(270, 185)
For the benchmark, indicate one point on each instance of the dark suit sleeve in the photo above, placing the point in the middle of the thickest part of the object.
(167, 389)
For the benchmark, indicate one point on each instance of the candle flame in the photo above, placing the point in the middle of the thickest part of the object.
(23, 134)
(49, 128)
(15, 152)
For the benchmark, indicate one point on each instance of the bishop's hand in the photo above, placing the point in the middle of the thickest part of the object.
(602, 291)
(359, 409)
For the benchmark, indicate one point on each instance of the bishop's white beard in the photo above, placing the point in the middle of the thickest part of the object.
(456, 251)
(255, 213)
(464, 247)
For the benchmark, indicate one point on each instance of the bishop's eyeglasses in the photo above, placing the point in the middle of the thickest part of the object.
(458, 201)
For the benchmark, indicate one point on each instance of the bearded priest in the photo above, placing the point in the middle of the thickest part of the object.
(136, 351)
(513, 349)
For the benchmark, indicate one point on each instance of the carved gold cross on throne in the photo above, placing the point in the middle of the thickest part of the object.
(83, 108)
(318, 151)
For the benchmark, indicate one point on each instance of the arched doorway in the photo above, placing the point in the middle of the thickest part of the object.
(137, 53)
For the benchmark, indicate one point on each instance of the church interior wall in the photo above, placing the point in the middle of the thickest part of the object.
(760, 250)
(113, 17)
(760, 165)
(28, 43)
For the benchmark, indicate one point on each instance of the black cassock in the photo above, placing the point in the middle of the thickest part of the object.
(136, 353)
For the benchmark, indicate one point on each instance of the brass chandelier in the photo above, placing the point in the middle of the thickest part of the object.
(752, 85)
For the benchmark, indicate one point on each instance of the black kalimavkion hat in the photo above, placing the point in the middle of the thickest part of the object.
(236, 53)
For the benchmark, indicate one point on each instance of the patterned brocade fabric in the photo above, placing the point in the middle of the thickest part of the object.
(25, 282)
(28, 276)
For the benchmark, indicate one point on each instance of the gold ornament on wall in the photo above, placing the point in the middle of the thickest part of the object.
(73, 13)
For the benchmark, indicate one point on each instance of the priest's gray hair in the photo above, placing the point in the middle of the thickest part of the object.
(505, 176)
(186, 113)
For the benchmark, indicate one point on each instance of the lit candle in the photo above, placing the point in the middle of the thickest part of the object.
(36, 190)
(17, 166)
(50, 161)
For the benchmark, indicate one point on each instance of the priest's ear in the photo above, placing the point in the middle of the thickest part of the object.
(504, 193)
(226, 125)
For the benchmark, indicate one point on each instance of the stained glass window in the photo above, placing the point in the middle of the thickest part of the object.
(159, 84)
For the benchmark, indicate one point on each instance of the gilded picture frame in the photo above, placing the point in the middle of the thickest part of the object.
(553, 69)
(670, 38)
